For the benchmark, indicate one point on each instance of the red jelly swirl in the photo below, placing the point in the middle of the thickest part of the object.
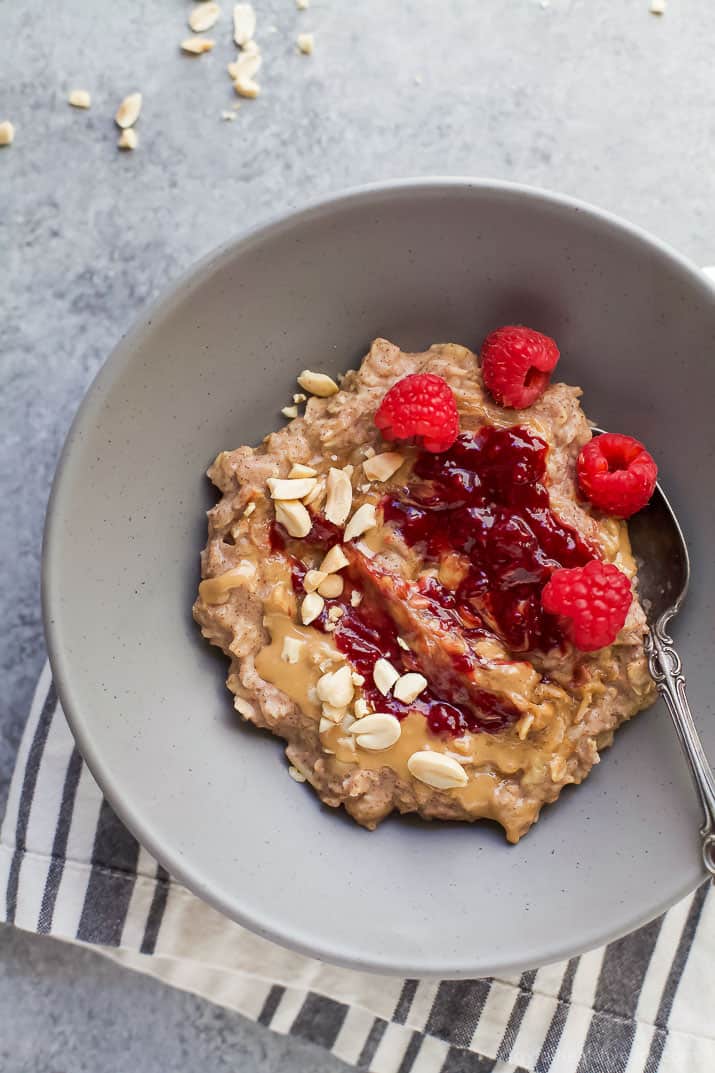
(486, 500)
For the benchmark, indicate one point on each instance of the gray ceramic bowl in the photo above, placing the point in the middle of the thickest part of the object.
(208, 368)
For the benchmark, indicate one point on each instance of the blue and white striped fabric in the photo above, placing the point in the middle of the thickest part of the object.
(68, 868)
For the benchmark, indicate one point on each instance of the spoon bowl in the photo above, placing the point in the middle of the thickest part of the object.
(662, 556)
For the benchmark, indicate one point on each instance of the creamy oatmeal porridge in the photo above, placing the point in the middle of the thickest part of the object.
(383, 600)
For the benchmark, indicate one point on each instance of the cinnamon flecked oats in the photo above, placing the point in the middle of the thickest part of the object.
(380, 604)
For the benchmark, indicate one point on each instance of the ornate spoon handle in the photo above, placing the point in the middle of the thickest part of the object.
(667, 671)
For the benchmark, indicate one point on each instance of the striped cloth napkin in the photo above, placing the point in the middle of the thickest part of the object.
(68, 868)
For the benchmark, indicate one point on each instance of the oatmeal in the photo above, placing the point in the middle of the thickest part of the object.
(384, 600)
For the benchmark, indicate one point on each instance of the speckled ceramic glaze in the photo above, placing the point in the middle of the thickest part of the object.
(208, 368)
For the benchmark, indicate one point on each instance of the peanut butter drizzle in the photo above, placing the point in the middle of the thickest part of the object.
(296, 680)
(504, 754)
(375, 539)
(215, 590)
(623, 557)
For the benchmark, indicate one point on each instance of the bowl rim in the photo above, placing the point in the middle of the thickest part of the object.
(118, 360)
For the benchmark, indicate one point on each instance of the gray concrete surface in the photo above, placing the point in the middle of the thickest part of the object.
(603, 101)
(68, 1010)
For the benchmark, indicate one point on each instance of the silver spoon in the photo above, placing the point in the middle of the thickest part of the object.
(663, 578)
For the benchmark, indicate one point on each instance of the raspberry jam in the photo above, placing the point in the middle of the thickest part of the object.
(486, 500)
(367, 632)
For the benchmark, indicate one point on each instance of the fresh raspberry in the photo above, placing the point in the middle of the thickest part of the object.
(420, 406)
(616, 473)
(592, 601)
(517, 363)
